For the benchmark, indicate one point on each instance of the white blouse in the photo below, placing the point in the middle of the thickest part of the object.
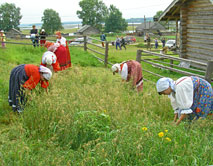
(182, 98)
(62, 41)
(124, 72)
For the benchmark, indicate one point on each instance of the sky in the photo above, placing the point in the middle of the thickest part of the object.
(32, 10)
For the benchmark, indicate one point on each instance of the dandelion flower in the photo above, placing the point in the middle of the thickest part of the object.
(161, 134)
(105, 111)
(166, 131)
(168, 139)
(144, 128)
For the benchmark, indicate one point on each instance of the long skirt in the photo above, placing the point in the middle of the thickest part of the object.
(61, 54)
(68, 56)
(16, 97)
(203, 98)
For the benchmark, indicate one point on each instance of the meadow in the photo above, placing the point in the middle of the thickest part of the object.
(90, 117)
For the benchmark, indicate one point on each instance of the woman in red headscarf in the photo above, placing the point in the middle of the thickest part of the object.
(62, 41)
(59, 51)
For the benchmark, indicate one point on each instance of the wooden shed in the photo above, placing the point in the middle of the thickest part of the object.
(153, 27)
(196, 27)
(14, 33)
(87, 30)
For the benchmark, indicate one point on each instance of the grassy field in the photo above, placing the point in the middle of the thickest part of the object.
(90, 118)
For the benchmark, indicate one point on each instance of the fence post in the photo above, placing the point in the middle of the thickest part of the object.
(209, 71)
(85, 43)
(139, 54)
(106, 54)
(171, 63)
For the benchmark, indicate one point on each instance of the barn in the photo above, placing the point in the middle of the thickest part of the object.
(87, 30)
(196, 27)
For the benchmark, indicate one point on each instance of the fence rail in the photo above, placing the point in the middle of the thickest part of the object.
(207, 74)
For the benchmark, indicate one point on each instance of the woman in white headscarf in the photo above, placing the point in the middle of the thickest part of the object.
(26, 77)
(50, 59)
(190, 97)
(130, 70)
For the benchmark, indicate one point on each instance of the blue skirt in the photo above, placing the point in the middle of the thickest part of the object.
(16, 97)
(203, 98)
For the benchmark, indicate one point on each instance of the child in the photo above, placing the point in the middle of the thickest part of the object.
(2, 39)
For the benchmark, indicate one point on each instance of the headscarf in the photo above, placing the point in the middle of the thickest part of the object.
(116, 67)
(45, 72)
(58, 34)
(49, 57)
(48, 44)
(164, 83)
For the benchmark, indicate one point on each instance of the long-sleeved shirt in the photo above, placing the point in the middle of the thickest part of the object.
(33, 73)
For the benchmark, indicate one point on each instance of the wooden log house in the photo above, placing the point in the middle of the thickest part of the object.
(196, 28)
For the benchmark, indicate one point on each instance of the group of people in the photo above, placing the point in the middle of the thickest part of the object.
(36, 37)
(120, 42)
(2, 39)
(25, 77)
(191, 97)
(147, 40)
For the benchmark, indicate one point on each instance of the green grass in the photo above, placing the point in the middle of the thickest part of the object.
(90, 117)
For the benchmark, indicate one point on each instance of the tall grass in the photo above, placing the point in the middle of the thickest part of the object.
(89, 117)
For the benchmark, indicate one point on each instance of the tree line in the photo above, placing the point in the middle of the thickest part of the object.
(93, 12)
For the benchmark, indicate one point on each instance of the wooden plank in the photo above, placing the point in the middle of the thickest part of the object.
(200, 26)
(210, 8)
(199, 51)
(200, 46)
(174, 58)
(200, 31)
(199, 36)
(175, 70)
(201, 41)
(95, 51)
(96, 45)
(200, 17)
(198, 56)
(200, 21)
(201, 13)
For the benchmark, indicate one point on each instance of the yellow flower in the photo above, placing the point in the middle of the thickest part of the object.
(144, 128)
(168, 139)
(105, 111)
(161, 134)
(166, 131)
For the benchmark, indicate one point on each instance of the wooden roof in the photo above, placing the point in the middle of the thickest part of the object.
(172, 12)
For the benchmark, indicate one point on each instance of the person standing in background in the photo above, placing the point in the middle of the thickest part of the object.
(123, 44)
(42, 37)
(103, 38)
(2, 39)
(34, 36)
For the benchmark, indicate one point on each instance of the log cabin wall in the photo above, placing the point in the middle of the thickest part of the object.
(197, 30)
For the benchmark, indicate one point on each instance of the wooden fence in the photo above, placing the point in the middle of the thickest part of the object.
(205, 74)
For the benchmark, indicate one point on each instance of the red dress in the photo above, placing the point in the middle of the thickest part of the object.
(33, 73)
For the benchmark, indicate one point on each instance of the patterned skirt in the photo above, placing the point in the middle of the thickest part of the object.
(16, 97)
(203, 98)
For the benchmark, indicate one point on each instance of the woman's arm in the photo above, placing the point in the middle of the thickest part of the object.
(183, 116)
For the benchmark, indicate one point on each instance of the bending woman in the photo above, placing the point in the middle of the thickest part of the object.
(130, 70)
(49, 58)
(191, 96)
(26, 77)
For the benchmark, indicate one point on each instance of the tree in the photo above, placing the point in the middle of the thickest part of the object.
(157, 15)
(114, 22)
(93, 13)
(51, 21)
(10, 16)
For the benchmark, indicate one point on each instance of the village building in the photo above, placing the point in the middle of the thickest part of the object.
(14, 33)
(196, 28)
(87, 30)
(149, 27)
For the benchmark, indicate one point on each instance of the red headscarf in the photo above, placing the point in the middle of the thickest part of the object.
(48, 44)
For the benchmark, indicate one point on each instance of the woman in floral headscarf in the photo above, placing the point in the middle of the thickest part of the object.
(191, 96)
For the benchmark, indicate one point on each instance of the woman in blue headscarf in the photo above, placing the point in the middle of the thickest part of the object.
(189, 96)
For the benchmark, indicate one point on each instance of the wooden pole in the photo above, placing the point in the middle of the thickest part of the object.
(106, 54)
(139, 54)
(176, 37)
(85, 43)
(209, 71)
